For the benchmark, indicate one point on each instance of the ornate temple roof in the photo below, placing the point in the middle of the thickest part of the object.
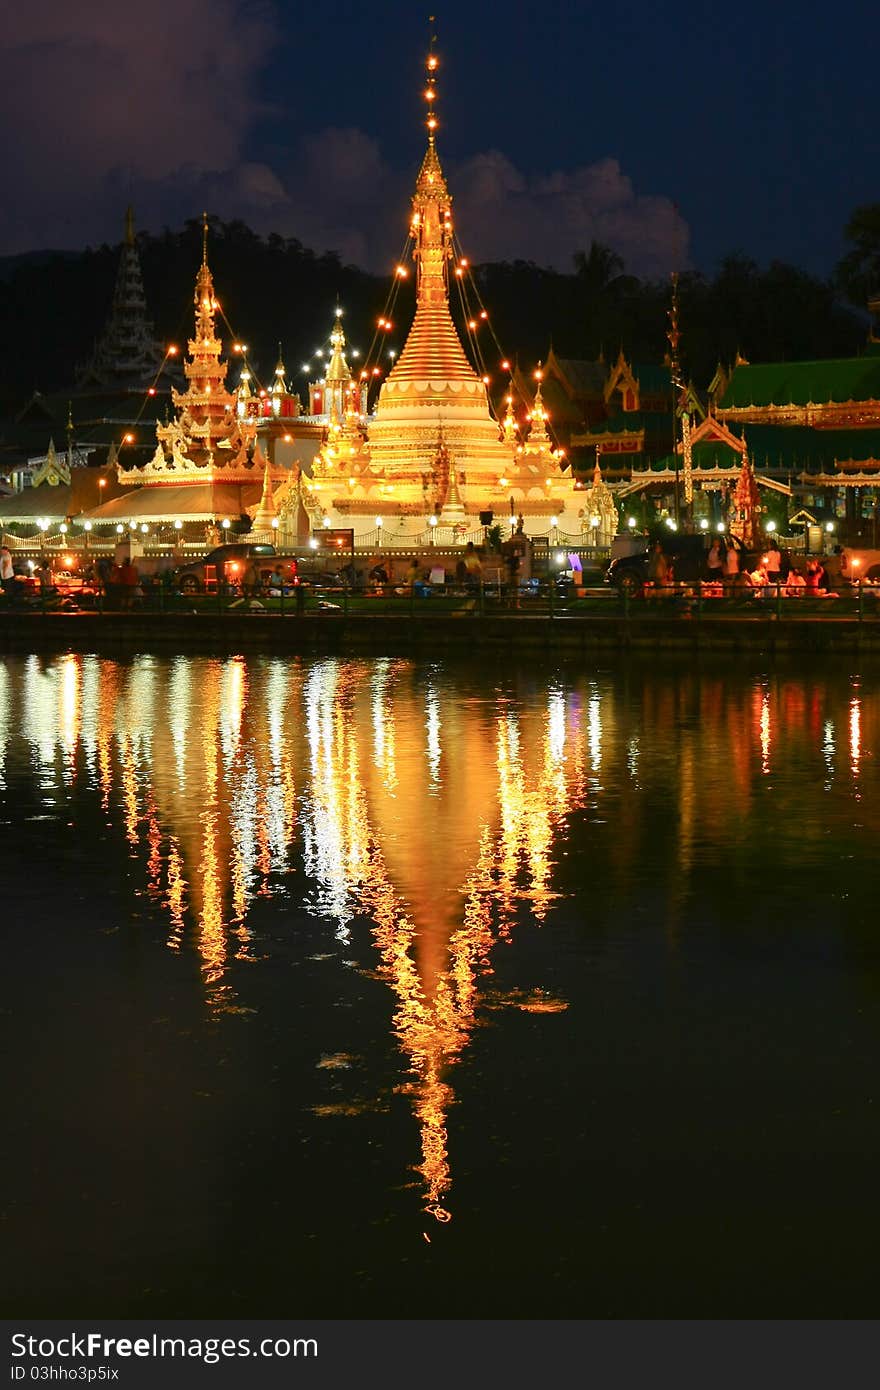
(838, 380)
(433, 350)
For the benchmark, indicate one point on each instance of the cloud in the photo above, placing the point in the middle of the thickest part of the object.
(504, 215)
(349, 199)
(157, 107)
(103, 97)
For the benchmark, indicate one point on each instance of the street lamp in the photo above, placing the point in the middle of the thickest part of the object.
(770, 527)
(554, 522)
(432, 522)
(225, 523)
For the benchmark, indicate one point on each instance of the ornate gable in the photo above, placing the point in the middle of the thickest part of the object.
(621, 379)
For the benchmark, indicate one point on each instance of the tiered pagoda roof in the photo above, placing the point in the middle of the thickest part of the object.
(127, 357)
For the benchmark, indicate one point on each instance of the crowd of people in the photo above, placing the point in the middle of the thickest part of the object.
(726, 571)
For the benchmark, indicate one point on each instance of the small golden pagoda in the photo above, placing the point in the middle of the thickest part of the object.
(433, 448)
(208, 453)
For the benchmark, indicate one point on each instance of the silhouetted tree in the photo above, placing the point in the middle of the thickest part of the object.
(858, 273)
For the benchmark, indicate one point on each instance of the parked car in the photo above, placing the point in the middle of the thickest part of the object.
(227, 564)
(857, 565)
(687, 552)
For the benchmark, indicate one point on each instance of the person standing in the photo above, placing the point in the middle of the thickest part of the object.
(7, 573)
(658, 571)
(128, 582)
(731, 563)
(715, 562)
(774, 563)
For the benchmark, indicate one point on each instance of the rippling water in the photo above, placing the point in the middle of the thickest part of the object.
(361, 988)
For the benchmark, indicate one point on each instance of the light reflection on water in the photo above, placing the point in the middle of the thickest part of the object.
(383, 791)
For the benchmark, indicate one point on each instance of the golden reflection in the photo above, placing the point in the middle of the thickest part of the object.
(5, 721)
(855, 734)
(432, 726)
(595, 732)
(383, 723)
(212, 938)
(175, 895)
(131, 814)
(764, 726)
(69, 707)
(828, 751)
(370, 791)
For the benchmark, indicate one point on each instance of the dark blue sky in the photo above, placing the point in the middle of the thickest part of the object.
(675, 135)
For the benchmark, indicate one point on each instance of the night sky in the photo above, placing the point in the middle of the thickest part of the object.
(673, 134)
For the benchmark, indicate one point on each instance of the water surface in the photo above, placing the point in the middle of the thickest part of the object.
(375, 987)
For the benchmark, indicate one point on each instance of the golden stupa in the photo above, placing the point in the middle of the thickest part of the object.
(433, 454)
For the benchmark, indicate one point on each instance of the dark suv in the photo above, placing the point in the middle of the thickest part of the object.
(225, 565)
(685, 552)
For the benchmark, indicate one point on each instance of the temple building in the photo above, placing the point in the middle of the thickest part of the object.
(815, 424)
(433, 458)
(207, 464)
(127, 356)
(338, 392)
(123, 385)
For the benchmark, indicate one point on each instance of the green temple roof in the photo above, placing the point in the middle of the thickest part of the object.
(631, 421)
(653, 378)
(803, 383)
(798, 448)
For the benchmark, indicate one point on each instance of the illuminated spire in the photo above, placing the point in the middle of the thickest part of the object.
(431, 225)
(337, 379)
(206, 405)
(244, 393)
(538, 415)
(279, 385)
(508, 425)
(338, 370)
(432, 350)
(265, 513)
(432, 65)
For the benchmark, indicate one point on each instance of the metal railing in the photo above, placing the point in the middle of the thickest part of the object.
(420, 601)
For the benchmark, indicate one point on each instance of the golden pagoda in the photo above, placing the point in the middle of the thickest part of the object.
(433, 446)
(208, 453)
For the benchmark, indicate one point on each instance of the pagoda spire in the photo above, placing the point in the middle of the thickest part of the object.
(508, 424)
(266, 513)
(538, 415)
(337, 380)
(431, 224)
(433, 350)
(207, 408)
(127, 355)
(279, 384)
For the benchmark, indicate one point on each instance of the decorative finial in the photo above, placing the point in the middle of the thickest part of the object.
(129, 225)
(431, 88)
(204, 238)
